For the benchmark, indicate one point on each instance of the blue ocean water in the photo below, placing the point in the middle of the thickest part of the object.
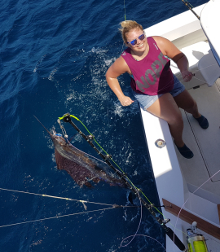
(54, 55)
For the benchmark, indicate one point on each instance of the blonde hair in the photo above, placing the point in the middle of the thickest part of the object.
(128, 25)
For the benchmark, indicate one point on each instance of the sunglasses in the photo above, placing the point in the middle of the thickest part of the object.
(134, 42)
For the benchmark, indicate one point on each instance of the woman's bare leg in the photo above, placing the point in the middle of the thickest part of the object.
(166, 108)
(185, 101)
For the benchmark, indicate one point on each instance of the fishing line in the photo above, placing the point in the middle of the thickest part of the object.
(200, 71)
(136, 234)
(133, 236)
(56, 217)
(124, 20)
(62, 198)
(124, 11)
(113, 206)
(150, 238)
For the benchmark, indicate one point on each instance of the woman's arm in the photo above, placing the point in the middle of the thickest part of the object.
(170, 50)
(118, 68)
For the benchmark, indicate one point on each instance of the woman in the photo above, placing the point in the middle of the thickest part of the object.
(155, 87)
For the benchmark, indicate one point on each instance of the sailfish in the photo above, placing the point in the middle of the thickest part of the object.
(82, 167)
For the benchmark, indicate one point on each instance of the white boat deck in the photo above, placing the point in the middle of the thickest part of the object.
(205, 145)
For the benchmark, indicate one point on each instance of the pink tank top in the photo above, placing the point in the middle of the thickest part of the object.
(151, 75)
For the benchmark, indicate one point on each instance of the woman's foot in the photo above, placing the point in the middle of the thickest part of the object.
(203, 122)
(185, 151)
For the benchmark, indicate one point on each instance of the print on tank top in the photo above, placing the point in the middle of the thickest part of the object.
(151, 75)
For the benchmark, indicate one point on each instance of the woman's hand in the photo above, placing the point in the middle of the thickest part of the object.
(126, 101)
(187, 76)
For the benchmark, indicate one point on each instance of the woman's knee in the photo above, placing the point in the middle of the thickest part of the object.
(191, 107)
(186, 101)
(175, 119)
(166, 108)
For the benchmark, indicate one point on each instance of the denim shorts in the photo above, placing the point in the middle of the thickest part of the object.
(146, 101)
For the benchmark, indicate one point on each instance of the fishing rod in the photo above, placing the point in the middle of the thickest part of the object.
(190, 7)
(67, 118)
